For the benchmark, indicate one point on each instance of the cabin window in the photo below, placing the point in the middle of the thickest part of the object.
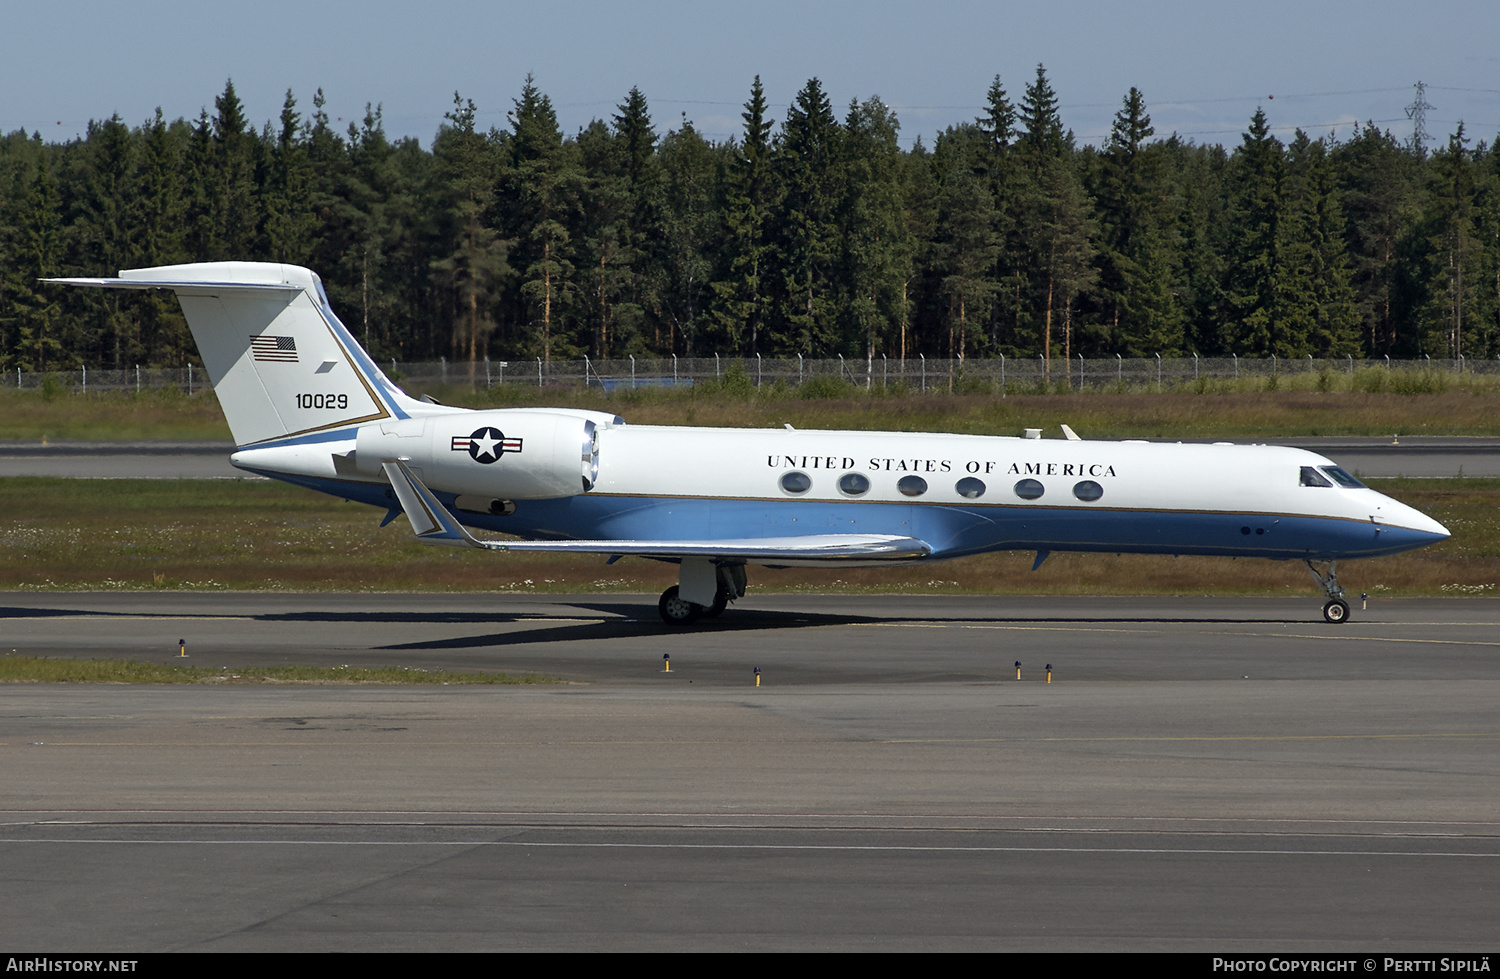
(912, 486)
(1030, 489)
(795, 482)
(970, 488)
(1342, 478)
(853, 484)
(1311, 477)
(1088, 491)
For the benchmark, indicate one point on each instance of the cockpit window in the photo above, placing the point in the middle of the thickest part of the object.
(1311, 477)
(1341, 477)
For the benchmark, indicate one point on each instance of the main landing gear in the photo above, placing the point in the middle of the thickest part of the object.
(726, 580)
(1336, 610)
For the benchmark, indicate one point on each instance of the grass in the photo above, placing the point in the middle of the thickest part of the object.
(116, 416)
(1370, 401)
(61, 534)
(40, 669)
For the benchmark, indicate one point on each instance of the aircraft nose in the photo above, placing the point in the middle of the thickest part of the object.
(1410, 518)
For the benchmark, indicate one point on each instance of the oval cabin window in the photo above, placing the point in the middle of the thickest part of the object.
(970, 488)
(853, 484)
(1030, 489)
(1088, 491)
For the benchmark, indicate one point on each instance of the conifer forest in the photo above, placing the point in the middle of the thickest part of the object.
(814, 234)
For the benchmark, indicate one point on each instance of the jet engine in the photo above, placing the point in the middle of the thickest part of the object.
(506, 454)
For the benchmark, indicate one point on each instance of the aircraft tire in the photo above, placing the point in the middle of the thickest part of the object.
(677, 611)
(1336, 611)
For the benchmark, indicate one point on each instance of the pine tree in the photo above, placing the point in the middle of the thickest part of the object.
(233, 192)
(750, 194)
(1256, 238)
(544, 186)
(1332, 319)
(288, 208)
(475, 261)
(36, 307)
(876, 260)
(965, 244)
(1452, 236)
(1140, 312)
(807, 157)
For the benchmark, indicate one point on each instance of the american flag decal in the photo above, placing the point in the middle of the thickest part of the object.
(281, 350)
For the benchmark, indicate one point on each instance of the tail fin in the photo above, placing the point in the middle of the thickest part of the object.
(281, 363)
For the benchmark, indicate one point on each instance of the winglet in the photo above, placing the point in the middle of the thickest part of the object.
(1070, 435)
(430, 520)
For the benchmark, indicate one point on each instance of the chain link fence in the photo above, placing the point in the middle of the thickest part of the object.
(997, 375)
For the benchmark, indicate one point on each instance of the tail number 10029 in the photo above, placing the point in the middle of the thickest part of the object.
(337, 401)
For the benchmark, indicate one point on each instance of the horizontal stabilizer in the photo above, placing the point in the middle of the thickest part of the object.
(434, 524)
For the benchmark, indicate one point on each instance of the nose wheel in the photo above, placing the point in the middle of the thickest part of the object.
(1336, 611)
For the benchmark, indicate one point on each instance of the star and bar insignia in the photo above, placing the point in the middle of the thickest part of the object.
(486, 445)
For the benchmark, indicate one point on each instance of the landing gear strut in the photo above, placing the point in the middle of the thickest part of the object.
(1336, 610)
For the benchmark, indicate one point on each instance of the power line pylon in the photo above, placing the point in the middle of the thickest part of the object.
(1417, 113)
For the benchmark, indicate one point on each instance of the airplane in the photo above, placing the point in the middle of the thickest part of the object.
(306, 404)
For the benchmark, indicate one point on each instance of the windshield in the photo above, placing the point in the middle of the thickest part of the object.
(1342, 478)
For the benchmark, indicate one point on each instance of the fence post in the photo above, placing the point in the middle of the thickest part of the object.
(1080, 373)
(799, 368)
(1236, 366)
(1460, 363)
(674, 370)
(445, 370)
(85, 369)
(1002, 375)
(1351, 363)
(190, 380)
(538, 370)
(924, 372)
(885, 372)
(1158, 373)
(869, 366)
(757, 367)
(716, 367)
(137, 378)
(585, 372)
(1195, 366)
(1387, 361)
(487, 384)
(841, 370)
(1119, 371)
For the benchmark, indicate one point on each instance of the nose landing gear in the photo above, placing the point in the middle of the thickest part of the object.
(1336, 610)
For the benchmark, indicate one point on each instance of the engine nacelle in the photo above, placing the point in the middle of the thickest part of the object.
(509, 454)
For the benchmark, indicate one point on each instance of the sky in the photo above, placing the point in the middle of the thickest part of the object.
(1204, 67)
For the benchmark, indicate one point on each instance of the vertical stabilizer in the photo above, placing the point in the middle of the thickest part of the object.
(281, 363)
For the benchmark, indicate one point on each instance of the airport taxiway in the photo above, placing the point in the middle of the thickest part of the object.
(1200, 774)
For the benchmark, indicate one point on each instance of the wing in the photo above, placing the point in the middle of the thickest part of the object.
(433, 524)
